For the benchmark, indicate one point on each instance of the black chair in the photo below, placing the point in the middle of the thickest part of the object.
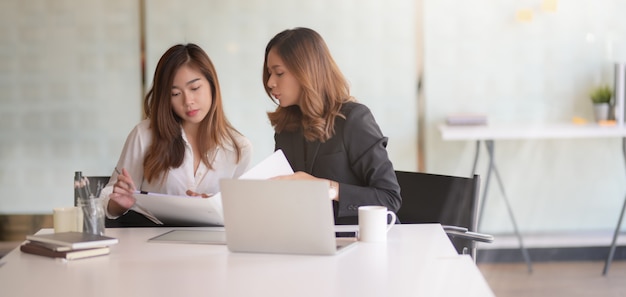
(449, 200)
(130, 219)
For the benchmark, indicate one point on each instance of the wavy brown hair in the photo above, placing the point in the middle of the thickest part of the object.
(324, 88)
(168, 149)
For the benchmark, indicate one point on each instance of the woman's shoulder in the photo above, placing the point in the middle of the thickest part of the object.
(144, 125)
(358, 117)
(352, 108)
(142, 128)
(242, 141)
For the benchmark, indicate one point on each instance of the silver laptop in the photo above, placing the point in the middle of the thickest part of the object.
(280, 216)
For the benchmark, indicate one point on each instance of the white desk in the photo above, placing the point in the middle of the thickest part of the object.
(417, 260)
(539, 131)
(488, 134)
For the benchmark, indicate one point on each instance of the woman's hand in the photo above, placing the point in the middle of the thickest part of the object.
(300, 175)
(194, 194)
(123, 194)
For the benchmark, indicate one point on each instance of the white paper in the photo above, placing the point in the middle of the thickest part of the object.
(182, 210)
(274, 165)
(187, 210)
(138, 208)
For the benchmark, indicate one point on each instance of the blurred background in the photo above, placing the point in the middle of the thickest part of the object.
(73, 73)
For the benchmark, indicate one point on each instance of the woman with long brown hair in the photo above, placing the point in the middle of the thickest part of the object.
(324, 133)
(185, 144)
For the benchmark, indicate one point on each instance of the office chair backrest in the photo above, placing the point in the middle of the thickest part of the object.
(432, 198)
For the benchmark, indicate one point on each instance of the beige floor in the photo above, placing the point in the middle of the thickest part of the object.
(555, 279)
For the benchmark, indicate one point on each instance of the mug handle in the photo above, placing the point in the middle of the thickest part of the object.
(393, 219)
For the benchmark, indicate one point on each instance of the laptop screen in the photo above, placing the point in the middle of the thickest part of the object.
(278, 216)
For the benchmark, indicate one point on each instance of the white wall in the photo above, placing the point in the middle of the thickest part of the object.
(70, 87)
(478, 58)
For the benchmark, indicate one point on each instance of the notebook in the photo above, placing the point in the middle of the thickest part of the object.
(74, 240)
(280, 216)
(42, 250)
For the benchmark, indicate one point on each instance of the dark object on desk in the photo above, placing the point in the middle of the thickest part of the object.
(41, 250)
(348, 234)
(449, 200)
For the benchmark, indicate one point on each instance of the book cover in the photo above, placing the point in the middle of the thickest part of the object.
(50, 246)
(74, 240)
(37, 249)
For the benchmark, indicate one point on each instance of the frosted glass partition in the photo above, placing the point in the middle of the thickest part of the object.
(71, 89)
(372, 41)
(69, 83)
(480, 58)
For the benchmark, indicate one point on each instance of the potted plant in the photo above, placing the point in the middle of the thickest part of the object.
(601, 99)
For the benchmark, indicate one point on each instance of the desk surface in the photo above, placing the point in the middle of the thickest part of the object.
(417, 260)
(538, 131)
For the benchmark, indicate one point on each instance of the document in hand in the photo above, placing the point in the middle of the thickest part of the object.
(181, 210)
(196, 211)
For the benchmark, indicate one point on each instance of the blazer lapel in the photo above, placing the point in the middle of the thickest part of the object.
(298, 153)
(311, 148)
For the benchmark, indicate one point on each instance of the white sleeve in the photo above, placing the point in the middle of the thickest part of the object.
(131, 159)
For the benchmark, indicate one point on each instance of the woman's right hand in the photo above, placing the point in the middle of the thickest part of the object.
(123, 194)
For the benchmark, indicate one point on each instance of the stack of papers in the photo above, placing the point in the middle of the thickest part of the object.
(197, 211)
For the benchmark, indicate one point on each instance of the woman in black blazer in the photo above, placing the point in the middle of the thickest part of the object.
(324, 133)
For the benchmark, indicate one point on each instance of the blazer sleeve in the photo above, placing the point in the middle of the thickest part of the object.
(366, 148)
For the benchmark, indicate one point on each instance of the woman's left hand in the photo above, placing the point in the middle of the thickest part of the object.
(300, 175)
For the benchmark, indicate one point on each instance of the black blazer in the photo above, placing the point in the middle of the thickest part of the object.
(356, 157)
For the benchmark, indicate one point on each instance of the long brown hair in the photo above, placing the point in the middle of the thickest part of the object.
(168, 148)
(324, 88)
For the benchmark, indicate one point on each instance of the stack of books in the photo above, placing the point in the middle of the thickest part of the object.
(68, 245)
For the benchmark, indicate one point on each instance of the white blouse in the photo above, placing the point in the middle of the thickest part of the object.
(183, 178)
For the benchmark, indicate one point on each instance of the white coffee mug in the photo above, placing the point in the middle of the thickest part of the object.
(373, 225)
(66, 219)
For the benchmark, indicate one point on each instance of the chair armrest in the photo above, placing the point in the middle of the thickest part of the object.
(471, 235)
(454, 228)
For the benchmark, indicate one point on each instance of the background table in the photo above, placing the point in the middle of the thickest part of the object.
(417, 260)
(489, 133)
